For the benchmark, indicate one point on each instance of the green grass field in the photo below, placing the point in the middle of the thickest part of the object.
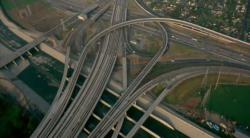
(229, 100)
(232, 102)
(190, 88)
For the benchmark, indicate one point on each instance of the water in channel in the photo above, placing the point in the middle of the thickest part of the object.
(43, 76)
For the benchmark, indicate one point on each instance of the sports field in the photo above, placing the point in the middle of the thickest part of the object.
(232, 102)
(191, 88)
(228, 99)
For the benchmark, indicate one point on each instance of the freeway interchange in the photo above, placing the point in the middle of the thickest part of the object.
(67, 117)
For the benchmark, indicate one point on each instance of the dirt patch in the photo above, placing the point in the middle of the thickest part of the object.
(37, 16)
(192, 103)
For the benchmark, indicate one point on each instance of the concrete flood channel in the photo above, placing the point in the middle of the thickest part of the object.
(43, 76)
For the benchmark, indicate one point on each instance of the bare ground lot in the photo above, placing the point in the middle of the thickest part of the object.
(33, 15)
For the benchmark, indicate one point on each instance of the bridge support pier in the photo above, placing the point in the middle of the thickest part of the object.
(22, 57)
(29, 53)
(14, 62)
(36, 49)
(5, 67)
(124, 72)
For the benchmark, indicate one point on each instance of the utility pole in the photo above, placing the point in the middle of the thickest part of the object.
(204, 80)
(206, 97)
(218, 79)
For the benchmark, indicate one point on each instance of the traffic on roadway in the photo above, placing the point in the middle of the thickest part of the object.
(68, 115)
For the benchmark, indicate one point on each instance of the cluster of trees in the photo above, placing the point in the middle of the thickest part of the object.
(15, 120)
(226, 16)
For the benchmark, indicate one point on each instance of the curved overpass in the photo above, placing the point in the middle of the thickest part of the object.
(157, 19)
(70, 124)
(59, 105)
(83, 56)
(50, 118)
(131, 22)
(176, 77)
(129, 91)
